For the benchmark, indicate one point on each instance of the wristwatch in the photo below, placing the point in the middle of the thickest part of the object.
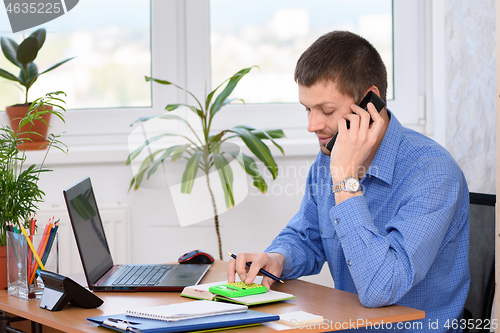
(350, 184)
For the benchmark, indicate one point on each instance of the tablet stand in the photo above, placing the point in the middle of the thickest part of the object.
(59, 290)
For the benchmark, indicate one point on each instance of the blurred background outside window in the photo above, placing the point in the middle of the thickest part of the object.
(273, 34)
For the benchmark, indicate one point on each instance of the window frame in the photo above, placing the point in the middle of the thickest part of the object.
(173, 24)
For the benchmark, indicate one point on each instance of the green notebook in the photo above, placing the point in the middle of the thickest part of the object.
(201, 291)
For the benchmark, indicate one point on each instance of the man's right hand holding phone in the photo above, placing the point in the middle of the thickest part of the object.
(353, 152)
(271, 262)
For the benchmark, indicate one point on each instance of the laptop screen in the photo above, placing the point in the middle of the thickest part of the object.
(88, 230)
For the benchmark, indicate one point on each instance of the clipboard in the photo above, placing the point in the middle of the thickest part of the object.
(123, 323)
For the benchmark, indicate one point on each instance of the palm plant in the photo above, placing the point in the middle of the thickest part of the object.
(204, 153)
(19, 190)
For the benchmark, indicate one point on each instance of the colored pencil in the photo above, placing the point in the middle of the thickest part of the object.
(41, 250)
(30, 244)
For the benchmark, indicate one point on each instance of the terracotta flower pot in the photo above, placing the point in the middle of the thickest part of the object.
(3, 267)
(16, 113)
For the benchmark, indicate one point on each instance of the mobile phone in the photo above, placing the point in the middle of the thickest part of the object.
(370, 97)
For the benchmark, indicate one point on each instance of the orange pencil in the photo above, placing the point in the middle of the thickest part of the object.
(41, 249)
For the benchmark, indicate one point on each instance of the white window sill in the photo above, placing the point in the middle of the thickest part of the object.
(118, 153)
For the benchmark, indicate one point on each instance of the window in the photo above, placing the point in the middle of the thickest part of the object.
(407, 67)
(180, 42)
(112, 44)
(273, 34)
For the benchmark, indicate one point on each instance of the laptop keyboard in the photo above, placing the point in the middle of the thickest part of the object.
(148, 275)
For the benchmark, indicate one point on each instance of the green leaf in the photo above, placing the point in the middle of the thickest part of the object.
(226, 178)
(23, 75)
(166, 153)
(32, 74)
(140, 175)
(164, 82)
(211, 95)
(275, 134)
(177, 154)
(251, 168)
(136, 152)
(40, 35)
(233, 81)
(8, 76)
(56, 65)
(189, 175)
(27, 51)
(9, 49)
(267, 135)
(167, 117)
(259, 148)
(172, 107)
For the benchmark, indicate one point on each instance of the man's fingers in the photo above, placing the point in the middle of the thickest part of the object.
(267, 282)
(241, 264)
(260, 261)
(374, 114)
(378, 121)
(231, 270)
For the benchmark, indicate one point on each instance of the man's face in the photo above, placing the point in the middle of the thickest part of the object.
(325, 105)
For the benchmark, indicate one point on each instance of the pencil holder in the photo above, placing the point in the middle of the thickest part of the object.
(22, 264)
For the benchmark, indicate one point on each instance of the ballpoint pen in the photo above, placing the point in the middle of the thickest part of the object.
(262, 271)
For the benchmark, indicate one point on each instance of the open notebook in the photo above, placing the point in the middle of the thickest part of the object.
(201, 292)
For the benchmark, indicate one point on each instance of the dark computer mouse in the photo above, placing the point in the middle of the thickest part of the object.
(196, 257)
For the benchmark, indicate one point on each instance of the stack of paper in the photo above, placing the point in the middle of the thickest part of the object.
(187, 310)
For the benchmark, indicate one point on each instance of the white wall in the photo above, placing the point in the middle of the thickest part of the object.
(470, 89)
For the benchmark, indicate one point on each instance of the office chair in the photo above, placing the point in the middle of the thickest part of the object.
(481, 259)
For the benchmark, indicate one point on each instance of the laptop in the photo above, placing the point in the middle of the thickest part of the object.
(100, 272)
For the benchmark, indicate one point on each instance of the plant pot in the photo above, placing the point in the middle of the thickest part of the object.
(38, 141)
(3, 267)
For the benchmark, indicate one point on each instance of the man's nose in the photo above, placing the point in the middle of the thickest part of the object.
(316, 121)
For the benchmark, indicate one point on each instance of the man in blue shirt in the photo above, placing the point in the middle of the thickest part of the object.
(388, 208)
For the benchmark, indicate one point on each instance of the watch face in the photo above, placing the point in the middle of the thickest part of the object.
(352, 184)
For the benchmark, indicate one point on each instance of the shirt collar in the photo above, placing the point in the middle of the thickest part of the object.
(384, 161)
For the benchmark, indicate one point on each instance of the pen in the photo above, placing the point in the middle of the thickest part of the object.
(262, 271)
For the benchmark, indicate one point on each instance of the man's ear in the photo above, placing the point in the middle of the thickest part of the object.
(373, 88)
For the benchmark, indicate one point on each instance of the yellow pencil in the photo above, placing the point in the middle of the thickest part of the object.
(32, 247)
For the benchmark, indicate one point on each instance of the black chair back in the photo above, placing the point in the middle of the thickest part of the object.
(481, 259)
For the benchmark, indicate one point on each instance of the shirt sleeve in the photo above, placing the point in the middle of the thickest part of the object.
(385, 267)
(300, 241)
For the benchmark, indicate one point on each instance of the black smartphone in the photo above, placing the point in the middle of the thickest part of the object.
(371, 97)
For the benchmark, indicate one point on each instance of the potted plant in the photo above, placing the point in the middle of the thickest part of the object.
(19, 190)
(205, 153)
(23, 56)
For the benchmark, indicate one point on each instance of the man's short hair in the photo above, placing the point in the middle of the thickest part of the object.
(345, 58)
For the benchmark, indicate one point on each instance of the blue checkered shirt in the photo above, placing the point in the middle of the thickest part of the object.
(405, 241)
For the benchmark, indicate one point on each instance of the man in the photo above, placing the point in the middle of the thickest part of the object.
(399, 233)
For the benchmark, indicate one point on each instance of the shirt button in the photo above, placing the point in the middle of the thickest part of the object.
(320, 231)
(336, 221)
(349, 263)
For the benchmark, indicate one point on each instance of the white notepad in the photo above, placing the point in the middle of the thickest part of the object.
(186, 310)
(300, 319)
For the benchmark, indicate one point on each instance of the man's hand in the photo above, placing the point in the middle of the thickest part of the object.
(271, 262)
(352, 153)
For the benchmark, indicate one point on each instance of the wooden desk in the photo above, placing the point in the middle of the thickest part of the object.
(334, 305)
